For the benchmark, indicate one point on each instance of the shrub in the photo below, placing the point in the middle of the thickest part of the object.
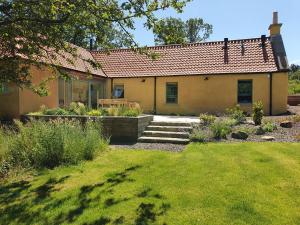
(230, 122)
(124, 111)
(220, 129)
(55, 111)
(41, 144)
(237, 114)
(94, 112)
(77, 108)
(199, 135)
(207, 119)
(113, 111)
(258, 112)
(247, 130)
(269, 126)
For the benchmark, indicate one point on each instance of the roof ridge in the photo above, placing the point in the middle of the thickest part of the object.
(179, 45)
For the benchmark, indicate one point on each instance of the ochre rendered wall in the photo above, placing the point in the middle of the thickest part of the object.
(31, 102)
(199, 95)
(9, 103)
(140, 90)
(280, 93)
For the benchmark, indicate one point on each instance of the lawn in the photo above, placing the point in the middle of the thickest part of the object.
(249, 183)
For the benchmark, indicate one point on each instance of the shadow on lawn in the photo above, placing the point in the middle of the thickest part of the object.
(19, 201)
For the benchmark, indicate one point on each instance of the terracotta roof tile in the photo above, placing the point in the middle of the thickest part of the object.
(80, 63)
(190, 59)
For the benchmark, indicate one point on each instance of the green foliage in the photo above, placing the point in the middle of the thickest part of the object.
(94, 112)
(77, 108)
(269, 126)
(30, 29)
(207, 119)
(175, 31)
(294, 86)
(56, 111)
(237, 114)
(124, 111)
(230, 122)
(198, 135)
(247, 130)
(258, 112)
(220, 129)
(41, 144)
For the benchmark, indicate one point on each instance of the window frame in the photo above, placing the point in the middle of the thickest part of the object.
(114, 89)
(168, 97)
(245, 96)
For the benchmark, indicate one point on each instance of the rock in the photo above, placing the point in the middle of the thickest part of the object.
(239, 135)
(260, 131)
(268, 138)
(286, 124)
(250, 122)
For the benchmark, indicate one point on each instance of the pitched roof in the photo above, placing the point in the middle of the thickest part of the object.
(244, 56)
(80, 63)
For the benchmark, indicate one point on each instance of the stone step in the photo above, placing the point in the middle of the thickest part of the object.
(169, 128)
(177, 124)
(163, 140)
(149, 133)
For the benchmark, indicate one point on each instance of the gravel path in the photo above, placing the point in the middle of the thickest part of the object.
(150, 146)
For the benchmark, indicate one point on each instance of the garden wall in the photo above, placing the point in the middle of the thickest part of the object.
(118, 128)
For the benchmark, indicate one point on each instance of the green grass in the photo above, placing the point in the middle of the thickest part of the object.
(249, 183)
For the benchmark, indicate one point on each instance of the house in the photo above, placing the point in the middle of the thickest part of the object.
(186, 79)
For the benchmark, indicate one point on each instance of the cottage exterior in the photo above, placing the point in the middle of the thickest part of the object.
(186, 79)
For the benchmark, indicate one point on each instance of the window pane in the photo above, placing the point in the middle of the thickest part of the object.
(80, 91)
(118, 91)
(171, 93)
(244, 91)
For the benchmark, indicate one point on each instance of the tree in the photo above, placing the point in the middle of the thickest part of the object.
(175, 31)
(197, 30)
(32, 31)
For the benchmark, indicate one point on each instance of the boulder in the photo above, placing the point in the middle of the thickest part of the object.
(286, 124)
(259, 131)
(239, 135)
(268, 138)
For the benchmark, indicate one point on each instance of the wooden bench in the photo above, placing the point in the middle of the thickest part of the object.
(108, 103)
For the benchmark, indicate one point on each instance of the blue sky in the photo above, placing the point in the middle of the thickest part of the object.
(238, 19)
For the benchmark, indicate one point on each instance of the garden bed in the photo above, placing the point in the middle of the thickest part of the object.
(280, 134)
(117, 128)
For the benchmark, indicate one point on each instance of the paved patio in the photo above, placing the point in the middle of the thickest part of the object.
(178, 119)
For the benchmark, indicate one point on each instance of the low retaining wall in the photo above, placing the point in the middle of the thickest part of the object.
(294, 100)
(118, 128)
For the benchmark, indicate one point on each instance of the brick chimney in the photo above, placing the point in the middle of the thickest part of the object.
(275, 27)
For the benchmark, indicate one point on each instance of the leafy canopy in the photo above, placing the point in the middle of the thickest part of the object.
(32, 30)
(175, 31)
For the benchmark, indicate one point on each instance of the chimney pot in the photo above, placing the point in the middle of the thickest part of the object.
(275, 17)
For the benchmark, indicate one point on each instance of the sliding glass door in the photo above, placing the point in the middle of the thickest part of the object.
(85, 91)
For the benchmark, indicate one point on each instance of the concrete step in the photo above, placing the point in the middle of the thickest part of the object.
(150, 133)
(177, 124)
(169, 128)
(163, 140)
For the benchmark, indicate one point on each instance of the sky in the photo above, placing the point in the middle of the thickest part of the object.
(237, 19)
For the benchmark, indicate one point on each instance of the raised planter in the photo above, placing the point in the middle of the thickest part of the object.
(118, 128)
(294, 100)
